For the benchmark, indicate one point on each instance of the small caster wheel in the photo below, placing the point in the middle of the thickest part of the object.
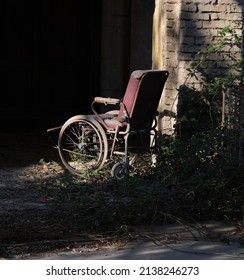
(120, 171)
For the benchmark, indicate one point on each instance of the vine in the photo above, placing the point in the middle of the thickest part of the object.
(212, 95)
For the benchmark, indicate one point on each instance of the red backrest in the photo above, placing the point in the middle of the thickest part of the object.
(142, 96)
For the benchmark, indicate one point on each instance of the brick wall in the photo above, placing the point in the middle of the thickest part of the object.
(181, 29)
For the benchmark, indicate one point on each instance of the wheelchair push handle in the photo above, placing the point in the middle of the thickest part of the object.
(106, 100)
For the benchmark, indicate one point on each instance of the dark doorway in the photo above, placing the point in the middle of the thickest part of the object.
(49, 61)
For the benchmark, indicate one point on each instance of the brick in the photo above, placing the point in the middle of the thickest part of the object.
(189, 7)
(234, 8)
(183, 64)
(187, 40)
(227, 17)
(214, 24)
(186, 56)
(191, 24)
(171, 40)
(170, 23)
(203, 16)
(196, 1)
(171, 15)
(209, 8)
(170, 7)
(203, 32)
(190, 49)
(171, 2)
(202, 40)
(186, 15)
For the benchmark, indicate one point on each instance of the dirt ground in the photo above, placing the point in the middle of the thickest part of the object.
(22, 170)
(37, 212)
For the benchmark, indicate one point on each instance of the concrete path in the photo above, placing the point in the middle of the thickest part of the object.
(194, 250)
(212, 241)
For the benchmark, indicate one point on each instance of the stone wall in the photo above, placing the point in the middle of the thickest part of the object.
(181, 29)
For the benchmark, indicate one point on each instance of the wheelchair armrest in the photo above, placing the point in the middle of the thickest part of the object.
(106, 100)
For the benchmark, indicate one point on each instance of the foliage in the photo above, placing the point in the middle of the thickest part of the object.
(193, 181)
(227, 63)
(220, 67)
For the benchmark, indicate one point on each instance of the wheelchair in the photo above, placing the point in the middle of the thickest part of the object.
(89, 142)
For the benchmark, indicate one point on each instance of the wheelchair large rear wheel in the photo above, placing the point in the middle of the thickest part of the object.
(82, 145)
